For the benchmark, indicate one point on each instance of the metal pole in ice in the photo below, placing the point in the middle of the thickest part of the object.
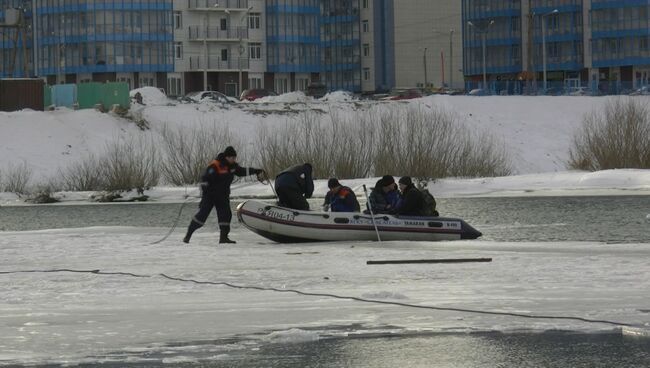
(372, 215)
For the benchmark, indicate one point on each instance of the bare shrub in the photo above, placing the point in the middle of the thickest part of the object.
(16, 178)
(130, 164)
(335, 147)
(188, 151)
(397, 141)
(617, 136)
(83, 175)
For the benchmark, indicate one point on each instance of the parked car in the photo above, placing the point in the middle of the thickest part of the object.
(479, 92)
(316, 90)
(578, 91)
(202, 96)
(254, 94)
(643, 91)
(406, 94)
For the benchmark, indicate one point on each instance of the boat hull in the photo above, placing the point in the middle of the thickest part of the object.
(285, 225)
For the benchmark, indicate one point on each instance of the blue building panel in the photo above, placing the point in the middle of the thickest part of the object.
(103, 37)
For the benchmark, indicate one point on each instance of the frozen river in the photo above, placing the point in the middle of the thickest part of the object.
(554, 256)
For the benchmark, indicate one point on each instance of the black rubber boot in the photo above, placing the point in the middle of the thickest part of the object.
(190, 230)
(223, 235)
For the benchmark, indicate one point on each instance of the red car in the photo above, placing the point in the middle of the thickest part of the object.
(407, 94)
(254, 94)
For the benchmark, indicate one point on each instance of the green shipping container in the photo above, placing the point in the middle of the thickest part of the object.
(116, 93)
(89, 94)
(47, 96)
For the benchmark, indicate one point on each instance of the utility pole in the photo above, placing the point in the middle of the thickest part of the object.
(205, 52)
(426, 79)
(241, 47)
(451, 59)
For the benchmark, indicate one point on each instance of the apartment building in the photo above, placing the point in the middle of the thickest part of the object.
(217, 45)
(85, 40)
(596, 43)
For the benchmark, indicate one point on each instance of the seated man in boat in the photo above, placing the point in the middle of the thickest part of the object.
(412, 199)
(384, 196)
(294, 185)
(340, 198)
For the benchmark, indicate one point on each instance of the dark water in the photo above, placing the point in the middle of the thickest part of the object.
(604, 219)
(548, 350)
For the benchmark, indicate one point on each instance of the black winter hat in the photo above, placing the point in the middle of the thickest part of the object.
(230, 152)
(406, 180)
(333, 183)
(387, 180)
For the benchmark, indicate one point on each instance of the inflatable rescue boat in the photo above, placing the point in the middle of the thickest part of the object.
(286, 225)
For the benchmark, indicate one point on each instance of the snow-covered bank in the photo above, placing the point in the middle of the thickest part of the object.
(536, 131)
(81, 317)
(568, 183)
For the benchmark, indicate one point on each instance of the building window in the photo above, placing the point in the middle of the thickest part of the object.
(224, 24)
(254, 20)
(178, 50)
(255, 50)
(366, 74)
(365, 4)
(255, 83)
(366, 49)
(515, 24)
(174, 86)
(281, 85)
(364, 26)
(224, 54)
(178, 20)
(643, 43)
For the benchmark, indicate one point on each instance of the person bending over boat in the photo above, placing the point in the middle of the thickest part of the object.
(384, 197)
(340, 198)
(412, 199)
(294, 185)
(215, 192)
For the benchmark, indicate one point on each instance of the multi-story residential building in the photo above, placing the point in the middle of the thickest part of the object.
(212, 42)
(340, 43)
(86, 40)
(596, 43)
(16, 46)
(293, 44)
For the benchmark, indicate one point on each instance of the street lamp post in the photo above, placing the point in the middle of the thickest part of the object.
(483, 32)
(451, 56)
(451, 59)
(426, 77)
(241, 46)
(205, 53)
(544, 43)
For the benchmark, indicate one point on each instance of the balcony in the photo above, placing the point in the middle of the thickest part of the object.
(199, 33)
(197, 63)
(218, 5)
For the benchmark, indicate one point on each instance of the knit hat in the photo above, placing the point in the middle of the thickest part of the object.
(387, 180)
(406, 180)
(230, 152)
(333, 183)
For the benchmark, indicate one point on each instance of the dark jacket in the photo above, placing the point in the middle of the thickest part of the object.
(297, 177)
(343, 200)
(381, 201)
(412, 202)
(219, 175)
